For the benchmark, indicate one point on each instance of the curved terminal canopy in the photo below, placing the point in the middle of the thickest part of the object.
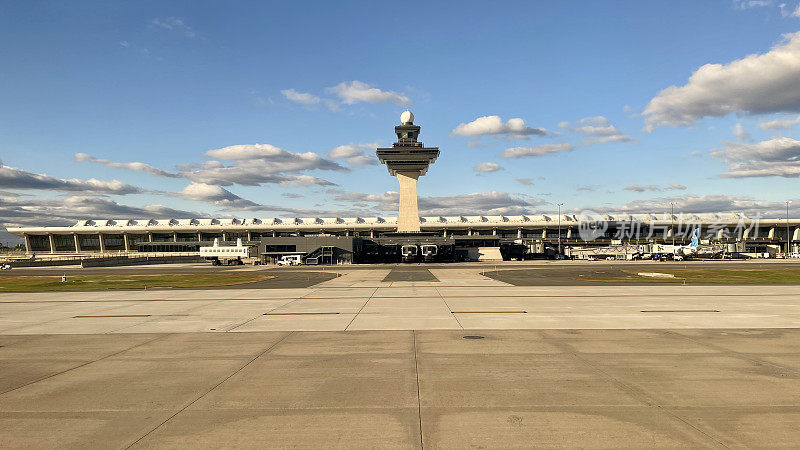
(407, 118)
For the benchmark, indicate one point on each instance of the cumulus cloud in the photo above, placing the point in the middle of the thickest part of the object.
(14, 178)
(525, 181)
(653, 187)
(696, 204)
(489, 203)
(756, 84)
(598, 130)
(217, 195)
(536, 150)
(354, 154)
(486, 167)
(741, 133)
(257, 164)
(779, 124)
(774, 157)
(19, 212)
(300, 97)
(357, 91)
(135, 166)
(174, 24)
(493, 125)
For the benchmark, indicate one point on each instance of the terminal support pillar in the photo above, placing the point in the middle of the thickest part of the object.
(494, 231)
(27, 243)
(77, 243)
(771, 234)
(224, 236)
(249, 236)
(519, 233)
(199, 236)
(569, 233)
(796, 234)
(102, 243)
(274, 233)
(544, 233)
(52, 243)
(408, 214)
(371, 233)
(127, 242)
(174, 236)
(149, 236)
(444, 232)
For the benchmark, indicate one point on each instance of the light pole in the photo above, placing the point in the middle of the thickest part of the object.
(788, 235)
(672, 223)
(559, 226)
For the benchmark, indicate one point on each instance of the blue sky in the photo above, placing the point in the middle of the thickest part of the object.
(89, 87)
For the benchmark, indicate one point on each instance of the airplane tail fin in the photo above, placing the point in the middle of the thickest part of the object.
(695, 238)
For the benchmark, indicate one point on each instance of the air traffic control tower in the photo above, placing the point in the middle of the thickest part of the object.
(407, 160)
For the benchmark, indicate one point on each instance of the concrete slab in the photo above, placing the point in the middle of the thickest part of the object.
(289, 428)
(511, 389)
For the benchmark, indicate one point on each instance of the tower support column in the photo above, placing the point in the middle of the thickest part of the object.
(408, 217)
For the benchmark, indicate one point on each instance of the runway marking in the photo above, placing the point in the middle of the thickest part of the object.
(131, 315)
(117, 315)
(299, 313)
(680, 310)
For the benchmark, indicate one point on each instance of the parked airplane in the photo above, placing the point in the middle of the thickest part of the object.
(691, 249)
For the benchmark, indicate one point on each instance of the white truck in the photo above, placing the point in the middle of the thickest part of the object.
(291, 260)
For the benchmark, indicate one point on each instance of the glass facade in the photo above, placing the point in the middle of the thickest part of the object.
(64, 242)
(89, 242)
(39, 243)
(114, 242)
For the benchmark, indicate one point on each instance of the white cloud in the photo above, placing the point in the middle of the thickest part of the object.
(536, 150)
(65, 211)
(653, 187)
(695, 204)
(486, 167)
(175, 24)
(354, 154)
(638, 188)
(598, 130)
(217, 195)
(358, 91)
(774, 157)
(777, 149)
(756, 84)
(135, 166)
(748, 4)
(514, 128)
(490, 203)
(300, 97)
(256, 164)
(13, 178)
(741, 133)
(779, 124)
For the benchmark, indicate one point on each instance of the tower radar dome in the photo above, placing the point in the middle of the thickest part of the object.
(407, 118)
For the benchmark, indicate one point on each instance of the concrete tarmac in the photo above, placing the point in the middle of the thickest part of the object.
(403, 389)
(359, 362)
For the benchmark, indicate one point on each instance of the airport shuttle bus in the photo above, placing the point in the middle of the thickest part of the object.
(408, 252)
(429, 252)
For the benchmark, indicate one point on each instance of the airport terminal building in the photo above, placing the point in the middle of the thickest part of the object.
(529, 234)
